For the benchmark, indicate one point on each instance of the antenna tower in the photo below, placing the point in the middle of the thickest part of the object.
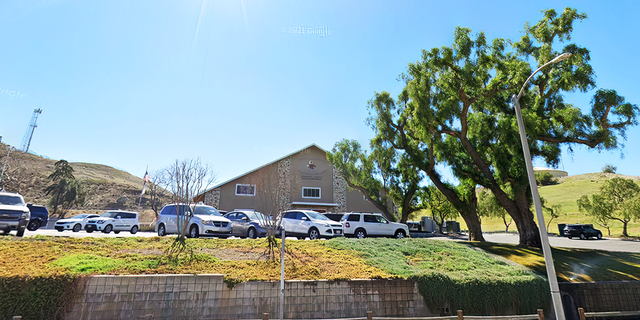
(26, 141)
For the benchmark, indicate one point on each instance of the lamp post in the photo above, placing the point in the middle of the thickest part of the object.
(544, 237)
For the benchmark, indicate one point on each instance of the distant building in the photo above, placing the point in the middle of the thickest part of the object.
(554, 172)
(304, 179)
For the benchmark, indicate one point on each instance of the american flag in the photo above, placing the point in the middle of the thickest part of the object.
(145, 179)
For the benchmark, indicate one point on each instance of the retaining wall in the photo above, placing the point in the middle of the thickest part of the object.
(604, 296)
(208, 297)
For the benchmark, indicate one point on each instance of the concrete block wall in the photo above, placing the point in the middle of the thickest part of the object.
(208, 297)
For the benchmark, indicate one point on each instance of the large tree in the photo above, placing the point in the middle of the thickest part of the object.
(455, 108)
(62, 187)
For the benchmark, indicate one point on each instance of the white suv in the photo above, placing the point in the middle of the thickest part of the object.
(306, 223)
(115, 221)
(14, 214)
(361, 225)
(201, 219)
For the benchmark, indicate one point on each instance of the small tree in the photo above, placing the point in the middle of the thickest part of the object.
(488, 206)
(441, 209)
(272, 203)
(156, 192)
(185, 179)
(618, 199)
(609, 169)
(545, 179)
(554, 211)
(61, 178)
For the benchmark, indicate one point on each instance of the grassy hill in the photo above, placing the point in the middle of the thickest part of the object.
(566, 193)
(27, 174)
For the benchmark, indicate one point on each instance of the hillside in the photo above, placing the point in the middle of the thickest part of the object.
(27, 174)
(566, 193)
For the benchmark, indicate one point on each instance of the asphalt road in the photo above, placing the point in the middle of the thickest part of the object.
(608, 244)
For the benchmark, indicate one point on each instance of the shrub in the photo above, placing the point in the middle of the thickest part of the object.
(545, 179)
(609, 169)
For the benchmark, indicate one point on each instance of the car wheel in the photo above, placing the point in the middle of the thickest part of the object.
(20, 232)
(33, 225)
(161, 231)
(361, 234)
(583, 237)
(108, 229)
(193, 231)
(400, 234)
(60, 230)
(116, 232)
(252, 233)
(599, 236)
(77, 227)
(314, 234)
(300, 238)
(569, 237)
(89, 230)
(134, 230)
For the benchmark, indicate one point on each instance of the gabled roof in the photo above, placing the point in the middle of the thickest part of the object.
(260, 167)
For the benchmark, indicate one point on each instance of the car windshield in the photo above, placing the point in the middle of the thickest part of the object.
(110, 214)
(255, 216)
(11, 200)
(204, 210)
(316, 216)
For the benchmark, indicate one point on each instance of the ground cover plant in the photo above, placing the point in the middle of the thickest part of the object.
(46, 267)
(573, 264)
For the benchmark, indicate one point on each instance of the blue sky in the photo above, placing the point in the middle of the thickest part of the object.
(136, 83)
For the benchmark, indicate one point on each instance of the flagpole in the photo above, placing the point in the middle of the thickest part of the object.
(144, 183)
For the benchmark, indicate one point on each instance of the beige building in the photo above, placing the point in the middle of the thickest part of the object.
(304, 179)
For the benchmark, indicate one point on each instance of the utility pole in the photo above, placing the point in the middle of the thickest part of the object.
(26, 141)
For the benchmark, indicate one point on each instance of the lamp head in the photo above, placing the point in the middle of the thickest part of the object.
(561, 57)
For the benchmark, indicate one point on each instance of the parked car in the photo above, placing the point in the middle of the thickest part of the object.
(584, 231)
(362, 225)
(306, 223)
(39, 217)
(75, 223)
(14, 214)
(247, 224)
(115, 221)
(202, 220)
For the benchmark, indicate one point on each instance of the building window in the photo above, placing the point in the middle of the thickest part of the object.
(311, 193)
(245, 189)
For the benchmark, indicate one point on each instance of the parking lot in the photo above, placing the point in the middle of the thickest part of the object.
(608, 244)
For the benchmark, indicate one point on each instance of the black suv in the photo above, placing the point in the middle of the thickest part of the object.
(39, 217)
(584, 231)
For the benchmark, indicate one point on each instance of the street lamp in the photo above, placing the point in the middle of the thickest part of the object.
(544, 237)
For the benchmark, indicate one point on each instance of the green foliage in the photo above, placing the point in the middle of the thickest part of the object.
(35, 298)
(454, 110)
(545, 179)
(452, 274)
(507, 296)
(488, 206)
(64, 189)
(608, 168)
(441, 209)
(618, 199)
(93, 264)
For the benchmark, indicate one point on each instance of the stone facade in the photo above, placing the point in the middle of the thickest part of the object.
(284, 184)
(339, 191)
(212, 198)
(208, 297)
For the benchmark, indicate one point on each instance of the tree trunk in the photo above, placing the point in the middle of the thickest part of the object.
(624, 228)
(406, 203)
(520, 213)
